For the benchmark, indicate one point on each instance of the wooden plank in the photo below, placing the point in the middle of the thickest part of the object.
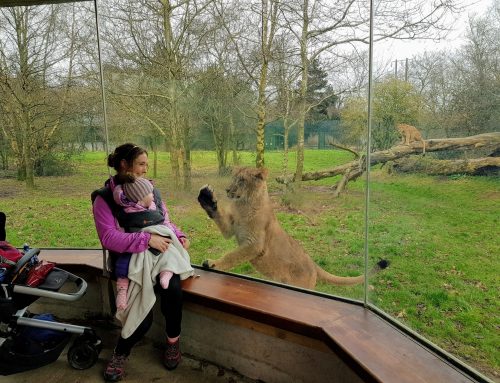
(386, 353)
(88, 257)
(373, 348)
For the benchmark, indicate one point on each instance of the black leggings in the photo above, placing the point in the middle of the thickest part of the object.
(171, 308)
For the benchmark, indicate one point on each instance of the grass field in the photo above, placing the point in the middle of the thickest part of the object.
(441, 235)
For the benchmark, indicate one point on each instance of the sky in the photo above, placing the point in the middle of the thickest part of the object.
(401, 50)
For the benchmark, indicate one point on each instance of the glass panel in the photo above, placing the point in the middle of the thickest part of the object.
(195, 102)
(187, 83)
(50, 115)
(435, 215)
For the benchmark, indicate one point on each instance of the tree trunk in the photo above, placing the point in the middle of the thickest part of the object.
(261, 116)
(303, 93)
(174, 164)
(232, 134)
(29, 165)
(155, 161)
(475, 166)
(286, 130)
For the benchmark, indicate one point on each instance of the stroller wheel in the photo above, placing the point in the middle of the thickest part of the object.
(83, 354)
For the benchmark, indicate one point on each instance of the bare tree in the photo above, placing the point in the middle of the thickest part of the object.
(460, 88)
(264, 17)
(330, 28)
(283, 78)
(477, 70)
(37, 54)
(154, 45)
(431, 77)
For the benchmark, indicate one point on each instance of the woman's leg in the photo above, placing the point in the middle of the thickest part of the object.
(115, 369)
(124, 346)
(171, 308)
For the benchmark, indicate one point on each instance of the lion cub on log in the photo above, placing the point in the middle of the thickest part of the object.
(261, 240)
(410, 134)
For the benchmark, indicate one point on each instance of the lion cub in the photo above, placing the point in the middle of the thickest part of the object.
(410, 134)
(249, 217)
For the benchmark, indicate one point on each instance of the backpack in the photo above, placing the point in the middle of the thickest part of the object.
(9, 255)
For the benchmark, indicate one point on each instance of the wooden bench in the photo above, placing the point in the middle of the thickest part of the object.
(370, 345)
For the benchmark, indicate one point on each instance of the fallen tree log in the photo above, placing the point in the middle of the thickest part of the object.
(355, 168)
(475, 166)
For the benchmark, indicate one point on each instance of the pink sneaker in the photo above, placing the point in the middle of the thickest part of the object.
(172, 355)
(115, 369)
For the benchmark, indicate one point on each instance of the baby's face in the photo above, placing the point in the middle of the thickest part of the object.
(147, 200)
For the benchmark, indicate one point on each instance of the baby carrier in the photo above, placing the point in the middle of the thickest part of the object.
(29, 341)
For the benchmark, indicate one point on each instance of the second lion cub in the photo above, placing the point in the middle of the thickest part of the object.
(410, 134)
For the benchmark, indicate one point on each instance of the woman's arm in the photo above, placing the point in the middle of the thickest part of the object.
(111, 237)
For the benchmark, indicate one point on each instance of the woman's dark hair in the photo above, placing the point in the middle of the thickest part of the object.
(128, 152)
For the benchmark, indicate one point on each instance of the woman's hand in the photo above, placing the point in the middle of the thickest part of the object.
(185, 242)
(158, 242)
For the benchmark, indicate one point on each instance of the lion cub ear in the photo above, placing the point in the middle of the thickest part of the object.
(261, 173)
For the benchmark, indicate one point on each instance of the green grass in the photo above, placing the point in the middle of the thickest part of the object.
(440, 234)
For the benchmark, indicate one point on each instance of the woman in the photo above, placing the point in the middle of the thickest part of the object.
(130, 160)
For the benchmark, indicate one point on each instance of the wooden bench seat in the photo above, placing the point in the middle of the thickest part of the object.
(371, 346)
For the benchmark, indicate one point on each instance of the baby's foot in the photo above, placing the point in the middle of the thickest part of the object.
(165, 278)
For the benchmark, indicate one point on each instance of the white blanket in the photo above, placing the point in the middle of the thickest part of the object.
(143, 269)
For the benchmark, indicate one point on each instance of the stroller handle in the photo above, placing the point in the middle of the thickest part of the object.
(80, 283)
(24, 260)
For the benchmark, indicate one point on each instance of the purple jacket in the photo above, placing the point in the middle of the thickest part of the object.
(113, 237)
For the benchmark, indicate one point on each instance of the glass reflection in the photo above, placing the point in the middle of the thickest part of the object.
(434, 208)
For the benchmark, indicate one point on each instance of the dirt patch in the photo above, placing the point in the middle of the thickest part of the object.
(493, 195)
(7, 193)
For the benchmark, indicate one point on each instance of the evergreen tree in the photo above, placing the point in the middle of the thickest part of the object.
(319, 92)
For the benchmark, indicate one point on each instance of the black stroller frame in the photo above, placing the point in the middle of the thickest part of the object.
(15, 317)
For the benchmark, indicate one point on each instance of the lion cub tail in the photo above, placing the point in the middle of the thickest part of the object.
(346, 281)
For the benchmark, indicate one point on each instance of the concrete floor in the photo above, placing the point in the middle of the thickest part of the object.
(144, 366)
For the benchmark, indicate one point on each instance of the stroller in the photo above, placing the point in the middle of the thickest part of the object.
(30, 341)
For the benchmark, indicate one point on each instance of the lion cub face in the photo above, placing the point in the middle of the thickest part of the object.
(247, 184)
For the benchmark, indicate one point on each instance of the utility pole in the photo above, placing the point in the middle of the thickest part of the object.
(406, 70)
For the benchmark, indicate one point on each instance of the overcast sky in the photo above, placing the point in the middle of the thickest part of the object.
(401, 50)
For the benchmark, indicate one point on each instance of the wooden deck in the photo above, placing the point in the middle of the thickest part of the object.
(372, 347)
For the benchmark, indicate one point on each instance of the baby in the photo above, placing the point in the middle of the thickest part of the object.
(136, 197)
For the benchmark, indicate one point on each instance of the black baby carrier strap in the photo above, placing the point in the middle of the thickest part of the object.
(132, 222)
